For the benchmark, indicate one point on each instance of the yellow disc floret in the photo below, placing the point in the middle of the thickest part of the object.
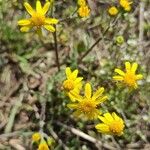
(84, 11)
(113, 11)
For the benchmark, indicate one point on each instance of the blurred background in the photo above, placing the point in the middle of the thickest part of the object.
(29, 76)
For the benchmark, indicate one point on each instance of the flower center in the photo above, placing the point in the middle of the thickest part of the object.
(116, 127)
(129, 79)
(38, 19)
(87, 106)
(68, 85)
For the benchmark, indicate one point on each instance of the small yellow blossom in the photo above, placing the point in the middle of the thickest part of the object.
(126, 4)
(113, 11)
(84, 11)
(112, 124)
(129, 77)
(72, 83)
(43, 146)
(120, 39)
(38, 18)
(36, 137)
(81, 2)
(87, 105)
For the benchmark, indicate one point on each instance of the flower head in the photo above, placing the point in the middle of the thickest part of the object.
(87, 105)
(120, 39)
(43, 146)
(126, 4)
(112, 124)
(72, 83)
(36, 137)
(128, 77)
(81, 2)
(84, 11)
(38, 18)
(113, 11)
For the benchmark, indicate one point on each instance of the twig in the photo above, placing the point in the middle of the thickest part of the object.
(55, 136)
(13, 114)
(86, 137)
(56, 48)
(98, 40)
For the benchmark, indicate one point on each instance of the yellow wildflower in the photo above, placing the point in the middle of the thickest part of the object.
(86, 105)
(36, 137)
(38, 18)
(72, 83)
(120, 39)
(84, 11)
(126, 5)
(81, 2)
(129, 77)
(43, 146)
(113, 11)
(112, 124)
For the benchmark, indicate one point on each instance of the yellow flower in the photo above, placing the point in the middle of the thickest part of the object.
(129, 77)
(112, 124)
(126, 5)
(120, 39)
(36, 137)
(43, 146)
(38, 18)
(72, 83)
(113, 11)
(86, 106)
(81, 2)
(84, 11)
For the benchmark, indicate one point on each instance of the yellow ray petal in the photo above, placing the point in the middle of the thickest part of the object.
(49, 28)
(76, 95)
(78, 80)
(51, 21)
(74, 74)
(115, 116)
(127, 66)
(68, 72)
(46, 7)
(38, 6)
(134, 67)
(120, 72)
(29, 9)
(139, 76)
(24, 22)
(118, 78)
(72, 106)
(101, 127)
(109, 117)
(98, 93)
(104, 120)
(25, 29)
(88, 90)
(100, 100)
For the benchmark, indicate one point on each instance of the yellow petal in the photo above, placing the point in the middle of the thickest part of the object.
(88, 90)
(101, 127)
(117, 118)
(108, 117)
(38, 6)
(118, 78)
(51, 21)
(46, 7)
(128, 66)
(68, 72)
(24, 22)
(100, 100)
(120, 72)
(49, 28)
(98, 93)
(29, 8)
(139, 76)
(24, 29)
(72, 106)
(76, 95)
(78, 80)
(74, 74)
(134, 67)
(104, 120)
